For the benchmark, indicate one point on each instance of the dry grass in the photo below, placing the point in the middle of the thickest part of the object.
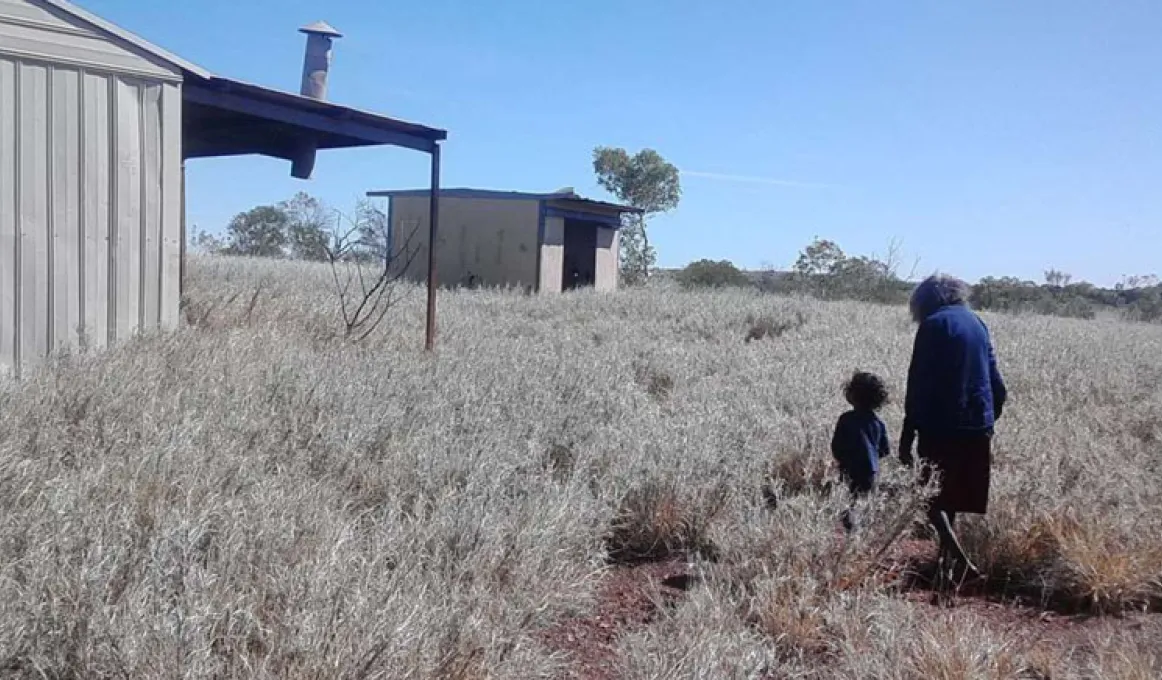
(252, 496)
(654, 522)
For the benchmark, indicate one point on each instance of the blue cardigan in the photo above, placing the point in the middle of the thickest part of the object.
(954, 385)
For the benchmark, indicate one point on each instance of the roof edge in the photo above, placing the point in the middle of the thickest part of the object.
(467, 192)
(499, 194)
(127, 36)
(326, 107)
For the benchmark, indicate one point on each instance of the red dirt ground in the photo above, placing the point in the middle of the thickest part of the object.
(629, 598)
(1020, 618)
(627, 601)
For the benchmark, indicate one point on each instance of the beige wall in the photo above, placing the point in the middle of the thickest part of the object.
(607, 259)
(90, 182)
(493, 240)
(552, 255)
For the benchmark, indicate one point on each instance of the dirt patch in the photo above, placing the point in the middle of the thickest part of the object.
(628, 599)
(913, 567)
(1052, 625)
(912, 571)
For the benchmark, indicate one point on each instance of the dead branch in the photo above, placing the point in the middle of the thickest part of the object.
(365, 308)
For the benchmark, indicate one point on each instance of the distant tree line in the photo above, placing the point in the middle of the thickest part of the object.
(365, 263)
(649, 182)
(302, 228)
(1137, 297)
(821, 270)
(824, 271)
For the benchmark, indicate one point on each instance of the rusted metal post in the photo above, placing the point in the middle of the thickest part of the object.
(433, 229)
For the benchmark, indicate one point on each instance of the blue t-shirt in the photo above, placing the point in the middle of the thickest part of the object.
(860, 440)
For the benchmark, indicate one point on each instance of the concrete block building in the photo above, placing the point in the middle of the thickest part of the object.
(548, 242)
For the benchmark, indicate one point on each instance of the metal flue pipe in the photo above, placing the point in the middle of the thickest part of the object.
(316, 67)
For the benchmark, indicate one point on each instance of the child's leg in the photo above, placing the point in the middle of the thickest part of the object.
(859, 489)
(848, 519)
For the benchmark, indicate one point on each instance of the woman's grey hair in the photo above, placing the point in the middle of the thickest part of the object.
(936, 291)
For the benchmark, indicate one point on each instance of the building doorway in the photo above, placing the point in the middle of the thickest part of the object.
(580, 257)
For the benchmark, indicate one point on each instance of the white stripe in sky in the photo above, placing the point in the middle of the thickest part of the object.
(750, 179)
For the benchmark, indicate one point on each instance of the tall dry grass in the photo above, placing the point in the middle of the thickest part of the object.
(251, 496)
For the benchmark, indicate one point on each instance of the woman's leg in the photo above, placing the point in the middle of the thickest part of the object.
(947, 455)
(950, 548)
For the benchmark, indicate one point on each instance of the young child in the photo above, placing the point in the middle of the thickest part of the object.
(861, 439)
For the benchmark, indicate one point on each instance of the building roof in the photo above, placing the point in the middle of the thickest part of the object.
(492, 194)
(229, 117)
(225, 117)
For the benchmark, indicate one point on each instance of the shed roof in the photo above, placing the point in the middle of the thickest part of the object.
(224, 116)
(494, 194)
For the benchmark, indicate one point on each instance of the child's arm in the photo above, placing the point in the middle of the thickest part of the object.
(839, 440)
(885, 443)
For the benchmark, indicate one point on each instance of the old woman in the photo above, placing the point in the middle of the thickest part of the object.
(954, 396)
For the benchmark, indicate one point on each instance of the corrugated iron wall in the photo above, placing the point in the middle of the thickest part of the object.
(90, 180)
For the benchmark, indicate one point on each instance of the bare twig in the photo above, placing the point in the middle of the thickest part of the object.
(253, 303)
(365, 308)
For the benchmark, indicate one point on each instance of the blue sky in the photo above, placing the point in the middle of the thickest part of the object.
(988, 137)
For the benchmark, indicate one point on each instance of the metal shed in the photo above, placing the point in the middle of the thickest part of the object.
(95, 127)
(547, 242)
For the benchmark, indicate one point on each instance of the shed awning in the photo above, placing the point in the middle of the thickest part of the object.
(225, 117)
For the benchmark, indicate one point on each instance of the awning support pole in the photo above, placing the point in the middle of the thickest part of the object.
(433, 229)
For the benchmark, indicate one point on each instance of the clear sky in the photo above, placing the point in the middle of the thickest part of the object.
(988, 136)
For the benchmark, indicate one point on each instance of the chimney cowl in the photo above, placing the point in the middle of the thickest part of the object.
(321, 28)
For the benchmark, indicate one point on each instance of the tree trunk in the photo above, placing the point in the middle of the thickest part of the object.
(641, 221)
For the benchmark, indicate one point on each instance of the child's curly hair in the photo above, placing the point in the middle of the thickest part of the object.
(866, 391)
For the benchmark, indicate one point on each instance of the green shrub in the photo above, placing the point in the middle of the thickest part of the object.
(711, 274)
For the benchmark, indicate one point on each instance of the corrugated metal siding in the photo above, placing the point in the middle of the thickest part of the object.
(32, 158)
(172, 205)
(8, 229)
(125, 234)
(34, 32)
(95, 185)
(64, 206)
(89, 207)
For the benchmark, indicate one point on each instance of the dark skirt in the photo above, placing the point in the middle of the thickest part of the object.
(964, 463)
